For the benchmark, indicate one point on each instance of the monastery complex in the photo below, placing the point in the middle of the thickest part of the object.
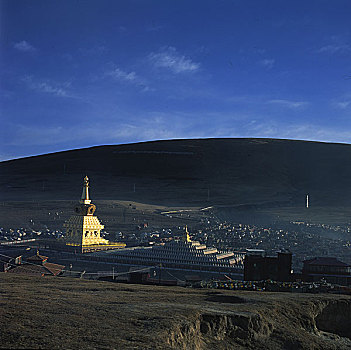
(83, 234)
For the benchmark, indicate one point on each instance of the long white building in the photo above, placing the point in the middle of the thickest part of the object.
(182, 254)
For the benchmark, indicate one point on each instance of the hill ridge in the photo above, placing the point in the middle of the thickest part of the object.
(194, 171)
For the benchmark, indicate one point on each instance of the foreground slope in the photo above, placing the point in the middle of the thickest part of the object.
(192, 172)
(61, 313)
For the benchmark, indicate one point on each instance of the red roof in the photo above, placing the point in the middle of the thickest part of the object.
(55, 269)
(48, 269)
(37, 258)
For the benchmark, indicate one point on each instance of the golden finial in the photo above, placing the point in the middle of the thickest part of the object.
(187, 236)
(85, 194)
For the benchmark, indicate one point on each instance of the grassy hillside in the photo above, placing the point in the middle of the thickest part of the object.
(63, 313)
(267, 172)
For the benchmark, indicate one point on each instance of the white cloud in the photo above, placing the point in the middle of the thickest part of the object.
(92, 133)
(7, 156)
(342, 104)
(39, 135)
(335, 48)
(172, 125)
(128, 77)
(168, 57)
(119, 74)
(24, 46)
(288, 103)
(52, 88)
(311, 132)
(267, 63)
(142, 127)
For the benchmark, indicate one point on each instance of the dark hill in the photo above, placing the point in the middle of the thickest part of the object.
(266, 172)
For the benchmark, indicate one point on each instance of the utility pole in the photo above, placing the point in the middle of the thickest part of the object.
(113, 273)
(134, 188)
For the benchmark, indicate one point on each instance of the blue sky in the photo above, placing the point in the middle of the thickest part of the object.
(82, 73)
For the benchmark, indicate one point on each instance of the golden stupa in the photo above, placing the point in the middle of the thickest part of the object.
(83, 230)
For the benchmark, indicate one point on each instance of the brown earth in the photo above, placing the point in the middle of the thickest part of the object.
(63, 313)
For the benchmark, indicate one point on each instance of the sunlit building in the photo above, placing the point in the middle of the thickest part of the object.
(83, 229)
(183, 254)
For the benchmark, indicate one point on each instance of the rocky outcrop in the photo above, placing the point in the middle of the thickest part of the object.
(334, 317)
(212, 326)
(321, 324)
(67, 313)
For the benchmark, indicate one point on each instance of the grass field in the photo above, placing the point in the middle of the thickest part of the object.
(64, 313)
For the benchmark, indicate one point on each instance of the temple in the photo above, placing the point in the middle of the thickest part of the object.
(182, 254)
(83, 230)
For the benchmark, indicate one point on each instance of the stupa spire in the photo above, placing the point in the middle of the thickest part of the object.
(186, 235)
(85, 193)
(83, 229)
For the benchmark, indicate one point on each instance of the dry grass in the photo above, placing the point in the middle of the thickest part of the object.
(63, 313)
